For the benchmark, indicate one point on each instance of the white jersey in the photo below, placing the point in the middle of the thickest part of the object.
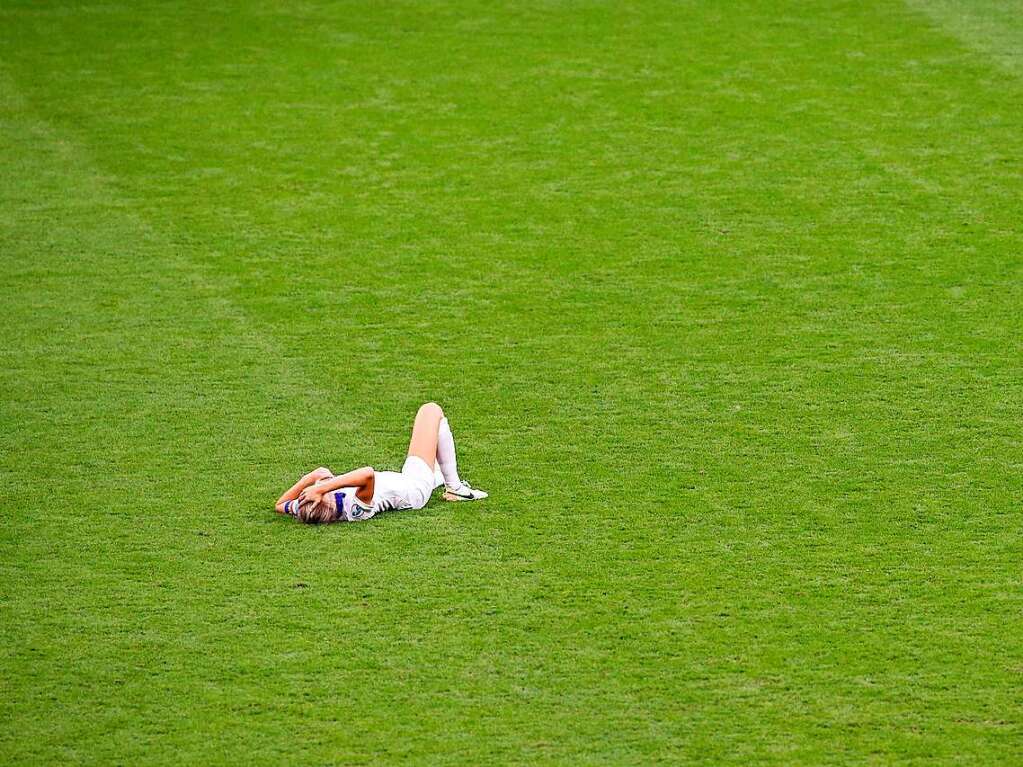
(409, 488)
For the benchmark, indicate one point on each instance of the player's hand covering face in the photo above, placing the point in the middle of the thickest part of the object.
(310, 495)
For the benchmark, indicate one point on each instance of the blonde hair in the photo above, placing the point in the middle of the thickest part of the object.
(317, 513)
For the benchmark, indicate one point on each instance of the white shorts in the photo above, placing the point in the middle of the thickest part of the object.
(409, 488)
(421, 481)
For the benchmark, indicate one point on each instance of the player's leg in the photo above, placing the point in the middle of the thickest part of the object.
(447, 459)
(424, 433)
(433, 442)
(418, 469)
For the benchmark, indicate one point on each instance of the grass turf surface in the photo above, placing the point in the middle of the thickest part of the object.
(723, 301)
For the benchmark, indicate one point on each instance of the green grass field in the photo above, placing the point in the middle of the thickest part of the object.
(724, 301)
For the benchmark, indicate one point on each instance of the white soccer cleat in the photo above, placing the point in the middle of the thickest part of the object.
(464, 493)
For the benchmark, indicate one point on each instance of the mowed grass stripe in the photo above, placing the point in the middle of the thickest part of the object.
(782, 397)
(991, 27)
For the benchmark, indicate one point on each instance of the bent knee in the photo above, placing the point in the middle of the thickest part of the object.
(431, 408)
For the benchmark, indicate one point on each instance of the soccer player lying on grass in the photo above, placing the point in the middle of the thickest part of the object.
(322, 497)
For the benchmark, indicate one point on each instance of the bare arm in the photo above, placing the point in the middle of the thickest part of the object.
(364, 480)
(296, 490)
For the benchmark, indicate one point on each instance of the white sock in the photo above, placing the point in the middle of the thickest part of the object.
(446, 456)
